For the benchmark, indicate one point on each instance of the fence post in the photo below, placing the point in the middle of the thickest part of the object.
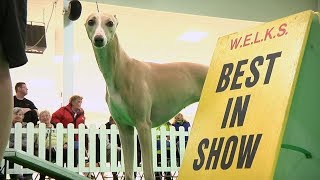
(17, 142)
(92, 148)
(70, 150)
(173, 149)
(30, 138)
(59, 151)
(18, 132)
(113, 149)
(41, 140)
(82, 150)
(103, 149)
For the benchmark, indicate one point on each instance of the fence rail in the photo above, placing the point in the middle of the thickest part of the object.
(87, 157)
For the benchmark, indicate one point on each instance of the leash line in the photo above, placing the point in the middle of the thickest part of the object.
(97, 6)
(298, 149)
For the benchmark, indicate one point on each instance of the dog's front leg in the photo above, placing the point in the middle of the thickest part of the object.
(127, 140)
(144, 133)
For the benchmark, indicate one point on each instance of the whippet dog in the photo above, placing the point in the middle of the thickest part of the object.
(140, 94)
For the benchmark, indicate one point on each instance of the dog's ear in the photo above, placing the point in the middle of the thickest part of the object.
(115, 16)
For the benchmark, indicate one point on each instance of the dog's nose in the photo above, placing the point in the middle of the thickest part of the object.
(98, 41)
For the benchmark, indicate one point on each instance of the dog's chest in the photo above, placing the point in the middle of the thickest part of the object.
(118, 109)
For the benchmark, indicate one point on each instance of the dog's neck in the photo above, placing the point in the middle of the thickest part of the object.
(111, 59)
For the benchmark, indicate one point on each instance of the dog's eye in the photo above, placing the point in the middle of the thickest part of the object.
(91, 22)
(109, 23)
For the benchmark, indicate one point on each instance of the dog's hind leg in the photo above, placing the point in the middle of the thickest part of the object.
(144, 133)
(127, 143)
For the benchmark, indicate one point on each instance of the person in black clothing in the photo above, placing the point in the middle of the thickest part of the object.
(13, 23)
(29, 109)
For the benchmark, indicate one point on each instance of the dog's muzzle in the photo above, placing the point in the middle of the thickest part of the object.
(98, 41)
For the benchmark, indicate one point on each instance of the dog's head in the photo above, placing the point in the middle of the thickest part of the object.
(101, 28)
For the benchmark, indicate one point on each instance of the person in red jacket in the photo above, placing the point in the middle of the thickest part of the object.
(71, 113)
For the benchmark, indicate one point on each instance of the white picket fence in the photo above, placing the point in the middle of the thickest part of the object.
(87, 161)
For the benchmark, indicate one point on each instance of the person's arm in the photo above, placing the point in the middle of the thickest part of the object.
(25, 110)
(34, 108)
(176, 126)
(187, 125)
(56, 117)
(80, 119)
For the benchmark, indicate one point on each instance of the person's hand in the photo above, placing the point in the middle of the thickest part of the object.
(79, 110)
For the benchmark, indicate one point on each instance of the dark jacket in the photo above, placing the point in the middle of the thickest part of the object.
(185, 125)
